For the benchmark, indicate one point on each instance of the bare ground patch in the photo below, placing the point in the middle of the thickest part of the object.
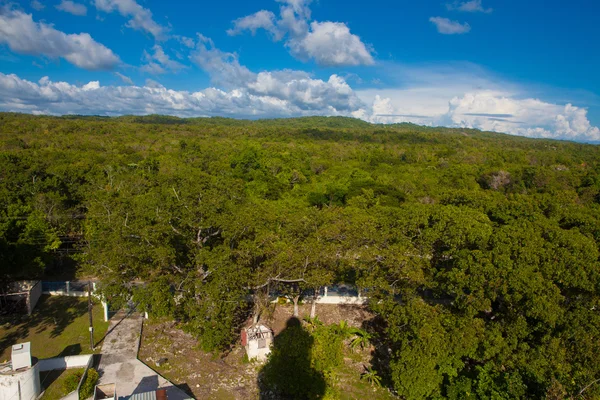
(209, 377)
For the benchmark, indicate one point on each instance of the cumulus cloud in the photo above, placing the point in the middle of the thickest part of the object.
(159, 62)
(331, 44)
(525, 117)
(327, 43)
(36, 5)
(50, 97)
(295, 88)
(72, 8)
(436, 97)
(448, 27)
(469, 6)
(141, 18)
(25, 36)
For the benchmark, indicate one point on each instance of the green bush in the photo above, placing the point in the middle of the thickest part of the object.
(71, 382)
(87, 389)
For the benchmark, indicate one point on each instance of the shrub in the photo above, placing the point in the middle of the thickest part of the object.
(71, 382)
(87, 389)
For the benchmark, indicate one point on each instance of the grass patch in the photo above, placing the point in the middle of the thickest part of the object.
(56, 383)
(58, 327)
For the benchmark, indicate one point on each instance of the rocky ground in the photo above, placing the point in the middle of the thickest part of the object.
(175, 355)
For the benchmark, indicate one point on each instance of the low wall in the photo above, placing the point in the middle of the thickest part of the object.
(68, 362)
(67, 288)
(80, 361)
(341, 300)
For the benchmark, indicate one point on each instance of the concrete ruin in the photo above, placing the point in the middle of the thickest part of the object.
(257, 341)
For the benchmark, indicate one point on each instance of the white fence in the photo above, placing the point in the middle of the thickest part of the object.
(339, 294)
(68, 362)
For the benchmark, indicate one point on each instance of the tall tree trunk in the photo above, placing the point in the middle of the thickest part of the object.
(256, 312)
(295, 300)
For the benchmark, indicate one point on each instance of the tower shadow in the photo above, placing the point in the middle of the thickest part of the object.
(289, 374)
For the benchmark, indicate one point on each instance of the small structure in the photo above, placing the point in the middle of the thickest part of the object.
(106, 391)
(20, 296)
(257, 341)
(158, 394)
(20, 379)
(21, 356)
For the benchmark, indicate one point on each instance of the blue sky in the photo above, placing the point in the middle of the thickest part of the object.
(525, 68)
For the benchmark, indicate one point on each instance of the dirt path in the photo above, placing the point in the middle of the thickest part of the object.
(119, 363)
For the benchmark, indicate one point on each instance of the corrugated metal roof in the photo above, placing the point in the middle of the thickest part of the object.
(144, 396)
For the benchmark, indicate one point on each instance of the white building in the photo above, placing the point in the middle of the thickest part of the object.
(20, 378)
(257, 341)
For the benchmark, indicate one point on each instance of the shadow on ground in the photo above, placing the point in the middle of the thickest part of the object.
(289, 374)
(55, 313)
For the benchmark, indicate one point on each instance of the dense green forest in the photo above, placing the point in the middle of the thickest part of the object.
(479, 251)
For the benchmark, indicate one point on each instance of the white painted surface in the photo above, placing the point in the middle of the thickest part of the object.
(34, 295)
(26, 381)
(80, 361)
(105, 309)
(259, 349)
(341, 300)
(21, 356)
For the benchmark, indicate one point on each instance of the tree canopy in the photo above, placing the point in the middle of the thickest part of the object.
(479, 251)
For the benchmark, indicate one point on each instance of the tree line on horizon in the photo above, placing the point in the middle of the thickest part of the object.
(489, 241)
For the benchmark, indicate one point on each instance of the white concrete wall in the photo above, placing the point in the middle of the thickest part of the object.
(341, 300)
(255, 353)
(26, 382)
(80, 361)
(333, 300)
(34, 295)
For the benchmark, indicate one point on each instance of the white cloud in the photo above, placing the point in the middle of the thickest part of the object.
(295, 88)
(498, 112)
(25, 36)
(151, 83)
(159, 62)
(469, 6)
(224, 68)
(186, 41)
(36, 5)
(327, 43)
(331, 44)
(20, 95)
(300, 7)
(448, 27)
(260, 20)
(72, 8)
(124, 78)
(141, 18)
(430, 95)
(468, 96)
